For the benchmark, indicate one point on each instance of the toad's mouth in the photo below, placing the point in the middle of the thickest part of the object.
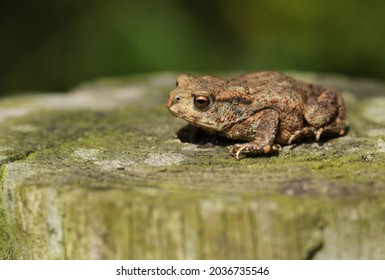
(198, 122)
(173, 111)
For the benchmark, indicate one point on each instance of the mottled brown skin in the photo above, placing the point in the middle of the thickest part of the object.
(264, 109)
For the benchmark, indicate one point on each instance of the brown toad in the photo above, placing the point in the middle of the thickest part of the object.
(264, 109)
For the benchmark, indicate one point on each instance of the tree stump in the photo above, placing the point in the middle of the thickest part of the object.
(97, 173)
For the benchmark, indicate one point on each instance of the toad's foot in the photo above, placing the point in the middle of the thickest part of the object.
(252, 148)
(308, 131)
(304, 132)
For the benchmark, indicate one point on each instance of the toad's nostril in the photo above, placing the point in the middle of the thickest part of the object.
(173, 99)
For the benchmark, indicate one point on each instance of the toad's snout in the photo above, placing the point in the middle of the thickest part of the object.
(173, 99)
(170, 102)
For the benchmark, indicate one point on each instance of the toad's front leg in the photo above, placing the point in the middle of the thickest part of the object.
(260, 129)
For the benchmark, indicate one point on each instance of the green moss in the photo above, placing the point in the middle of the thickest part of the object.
(6, 241)
(6, 244)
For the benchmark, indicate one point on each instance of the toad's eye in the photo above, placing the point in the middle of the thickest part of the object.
(201, 101)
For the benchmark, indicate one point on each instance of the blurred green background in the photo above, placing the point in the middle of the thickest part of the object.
(52, 45)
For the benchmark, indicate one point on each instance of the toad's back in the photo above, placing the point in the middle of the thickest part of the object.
(282, 93)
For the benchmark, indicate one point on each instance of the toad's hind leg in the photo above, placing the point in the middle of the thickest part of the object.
(337, 126)
(324, 114)
(260, 129)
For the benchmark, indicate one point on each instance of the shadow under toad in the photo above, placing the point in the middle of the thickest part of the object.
(204, 139)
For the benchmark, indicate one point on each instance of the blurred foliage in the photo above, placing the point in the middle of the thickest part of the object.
(54, 44)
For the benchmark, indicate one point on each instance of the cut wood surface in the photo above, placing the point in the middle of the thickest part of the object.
(97, 173)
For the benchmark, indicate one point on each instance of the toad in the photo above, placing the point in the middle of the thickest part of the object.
(260, 110)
